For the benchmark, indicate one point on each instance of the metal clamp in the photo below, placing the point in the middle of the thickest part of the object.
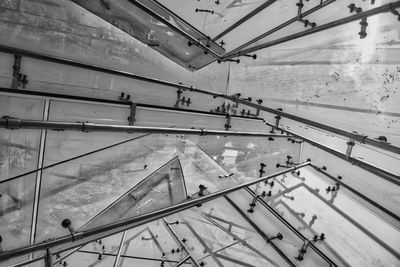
(12, 123)
(87, 127)
(131, 118)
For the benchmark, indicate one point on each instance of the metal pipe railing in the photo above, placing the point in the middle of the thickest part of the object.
(83, 237)
(15, 124)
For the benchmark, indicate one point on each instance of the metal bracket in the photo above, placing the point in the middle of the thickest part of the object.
(19, 79)
(181, 100)
(349, 149)
(106, 4)
(87, 127)
(228, 122)
(131, 118)
(12, 123)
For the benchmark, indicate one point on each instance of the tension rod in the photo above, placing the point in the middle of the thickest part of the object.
(14, 124)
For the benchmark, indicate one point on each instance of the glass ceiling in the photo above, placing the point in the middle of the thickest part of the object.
(340, 210)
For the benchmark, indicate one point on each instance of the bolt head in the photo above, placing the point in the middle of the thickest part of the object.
(66, 223)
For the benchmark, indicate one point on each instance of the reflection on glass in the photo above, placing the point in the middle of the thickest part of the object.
(16, 202)
(216, 232)
(242, 155)
(89, 258)
(151, 242)
(82, 188)
(163, 188)
(315, 206)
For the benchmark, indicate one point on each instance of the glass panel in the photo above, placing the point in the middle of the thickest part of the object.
(16, 207)
(224, 15)
(88, 258)
(376, 188)
(19, 149)
(277, 13)
(313, 210)
(216, 231)
(161, 189)
(291, 243)
(151, 241)
(243, 156)
(36, 264)
(86, 37)
(80, 189)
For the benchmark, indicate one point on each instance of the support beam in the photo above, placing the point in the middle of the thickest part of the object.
(14, 124)
(83, 237)
(358, 16)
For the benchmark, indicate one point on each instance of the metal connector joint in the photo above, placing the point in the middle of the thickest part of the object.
(12, 123)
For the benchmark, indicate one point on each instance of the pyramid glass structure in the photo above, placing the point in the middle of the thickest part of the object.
(199, 133)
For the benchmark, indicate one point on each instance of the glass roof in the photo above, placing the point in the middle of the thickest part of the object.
(183, 64)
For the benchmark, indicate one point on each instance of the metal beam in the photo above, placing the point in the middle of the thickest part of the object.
(244, 19)
(233, 53)
(121, 244)
(13, 124)
(87, 236)
(339, 22)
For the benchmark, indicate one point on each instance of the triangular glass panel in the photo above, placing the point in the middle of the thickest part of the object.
(162, 188)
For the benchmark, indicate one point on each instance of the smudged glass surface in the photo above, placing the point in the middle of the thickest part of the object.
(19, 149)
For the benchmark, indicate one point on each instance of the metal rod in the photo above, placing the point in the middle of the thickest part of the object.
(339, 22)
(87, 236)
(55, 96)
(96, 127)
(261, 232)
(121, 244)
(173, 27)
(233, 53)
(66, 255)
(35, 209)
(244, 19)
(180, 243)
(395, 179)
